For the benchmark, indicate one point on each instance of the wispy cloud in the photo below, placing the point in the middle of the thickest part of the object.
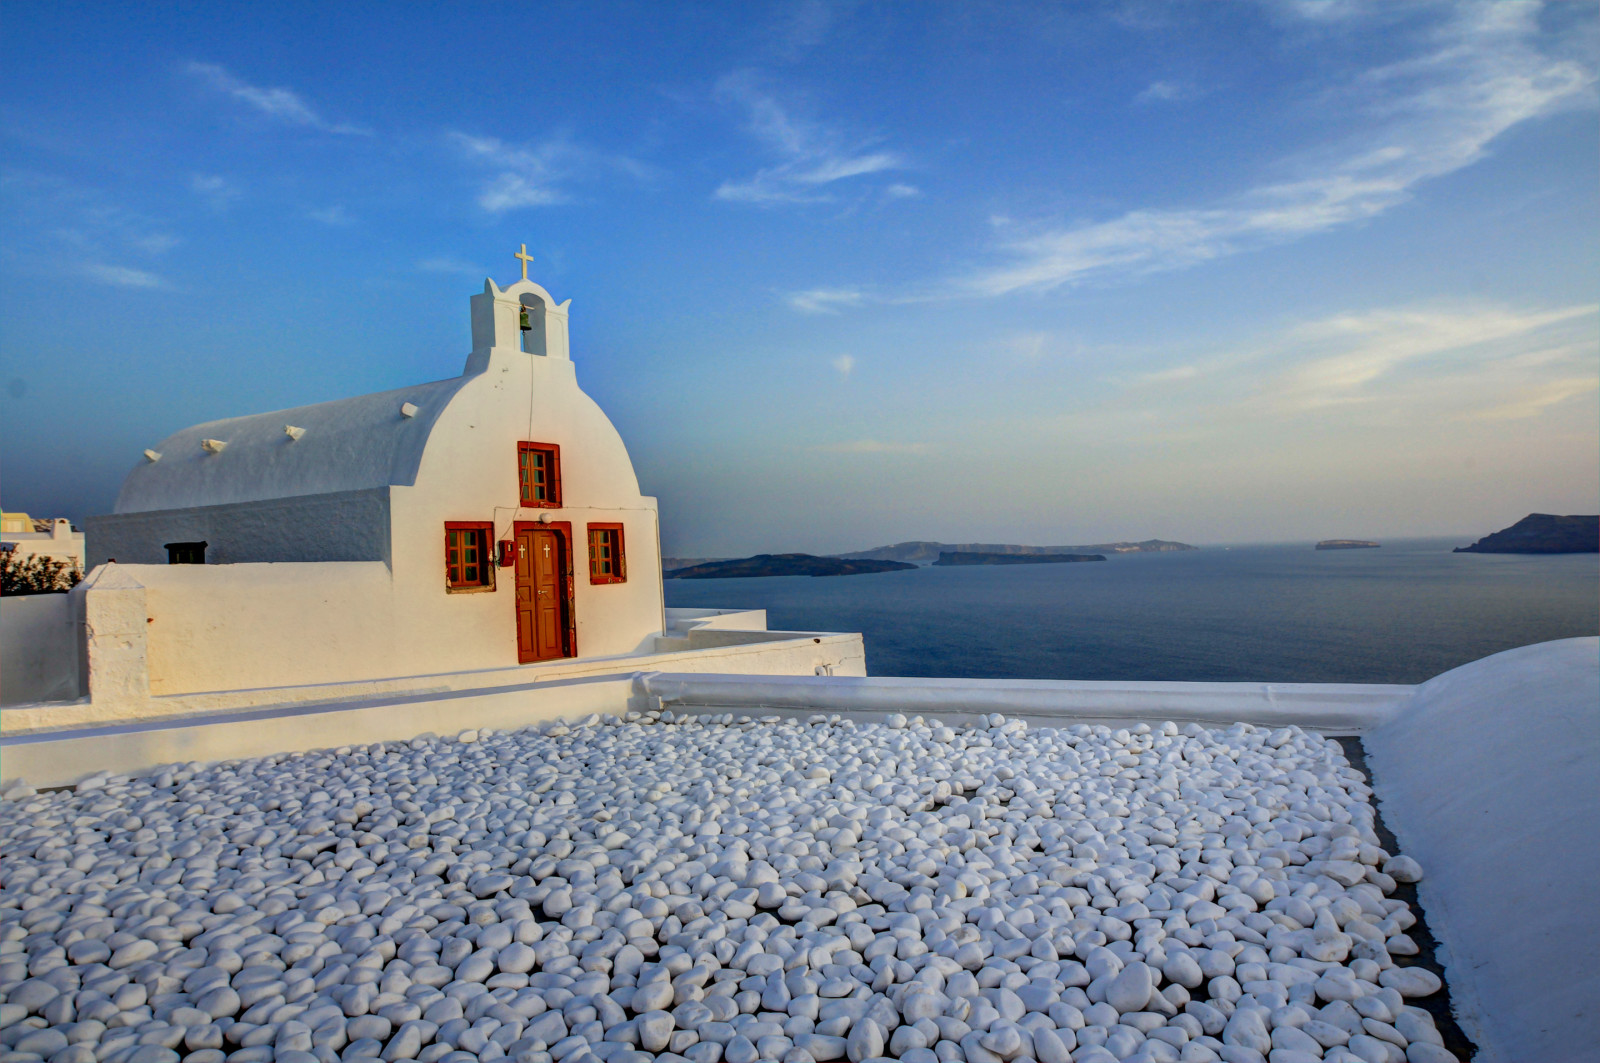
(1480, 75)
(871, 446)
(531, 175)
(1358, 358)
(812, 156)
(123, 276)
(64, 228)
(1411, 364)
(335, 215)
(218, 192)
(824, 300)
(280, 104)
(845, 364)
(1165, 92)
(902, 191)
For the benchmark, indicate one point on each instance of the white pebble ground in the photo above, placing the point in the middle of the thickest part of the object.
(718, 890)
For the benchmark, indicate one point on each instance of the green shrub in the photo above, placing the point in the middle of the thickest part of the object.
(37, 574)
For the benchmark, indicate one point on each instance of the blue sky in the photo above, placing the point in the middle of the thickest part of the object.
(842, 274)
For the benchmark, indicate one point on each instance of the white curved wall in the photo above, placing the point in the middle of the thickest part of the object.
(1490, 777)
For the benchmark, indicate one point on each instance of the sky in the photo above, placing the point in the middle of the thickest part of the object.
(842, 274)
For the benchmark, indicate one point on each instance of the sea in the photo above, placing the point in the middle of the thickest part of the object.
(1400, 613)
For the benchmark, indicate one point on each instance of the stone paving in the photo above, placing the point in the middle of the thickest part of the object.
(719, 889)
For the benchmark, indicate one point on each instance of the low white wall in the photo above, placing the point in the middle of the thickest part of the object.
(226, 627)
(38, 649)
(1491, 780)
(684, 619)
(1332, 708)
(61, 758)
(118, 640)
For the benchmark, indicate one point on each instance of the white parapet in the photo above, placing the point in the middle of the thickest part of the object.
(1332, 708)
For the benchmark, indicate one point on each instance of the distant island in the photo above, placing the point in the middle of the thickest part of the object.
(670, 563)
(785, 565)
(1542, 533)
(1346, 544)
(923, 552)
(951, 558)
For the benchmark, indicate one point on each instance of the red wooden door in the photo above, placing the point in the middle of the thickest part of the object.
(541, 595)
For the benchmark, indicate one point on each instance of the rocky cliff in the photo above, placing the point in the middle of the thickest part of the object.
(1542, 533)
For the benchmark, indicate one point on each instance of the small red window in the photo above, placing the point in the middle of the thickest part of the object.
(607, 563)
(539, 468)
(468, 557)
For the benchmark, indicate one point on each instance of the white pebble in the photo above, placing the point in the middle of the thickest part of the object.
(718, 889)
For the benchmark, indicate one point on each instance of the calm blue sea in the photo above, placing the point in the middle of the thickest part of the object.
(1399, 614)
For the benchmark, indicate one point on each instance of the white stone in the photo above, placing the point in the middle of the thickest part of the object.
(1131, 988)
(1403, 869)
(865, 1041)
(484, 864)
(655, 1030)
(1411, 981)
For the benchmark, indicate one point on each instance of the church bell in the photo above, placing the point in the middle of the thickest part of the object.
(523, 321)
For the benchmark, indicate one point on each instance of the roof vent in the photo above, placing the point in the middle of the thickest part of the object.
(213, 446)
(408, 409)
(152, 456)
(293, 431)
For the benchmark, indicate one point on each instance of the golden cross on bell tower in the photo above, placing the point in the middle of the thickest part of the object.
(526, 258)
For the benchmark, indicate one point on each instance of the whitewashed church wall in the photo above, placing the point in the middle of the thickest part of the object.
(469, 472)
(341, 526)
(38, 649)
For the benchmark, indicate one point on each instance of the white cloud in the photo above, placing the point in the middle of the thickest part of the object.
(123, 276)
(824, 300)
(510, 191)
(1394, 366)
(66, 228)
(1435, 114)
(334, 215)
(281, 104)
(1176, 374)
(871, 446)
(1029, 346)
(527, 177)
(1357, 358)
(1533, 401)
(902, 191)
(844, 364)
(1164, 92)
(218, 192)
(812, 156)
(531, 175)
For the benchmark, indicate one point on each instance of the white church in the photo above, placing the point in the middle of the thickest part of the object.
(459, 528)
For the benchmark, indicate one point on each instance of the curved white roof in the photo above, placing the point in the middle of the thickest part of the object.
(347, 445)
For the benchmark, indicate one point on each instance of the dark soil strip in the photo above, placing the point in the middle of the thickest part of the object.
(1437, 1005)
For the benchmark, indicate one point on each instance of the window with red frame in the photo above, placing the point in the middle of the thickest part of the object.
(607, 563)
(468, 556)
(539, 468)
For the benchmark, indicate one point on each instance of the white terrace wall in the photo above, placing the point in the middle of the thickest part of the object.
(38, 649)
(152, 641)
(227, 627)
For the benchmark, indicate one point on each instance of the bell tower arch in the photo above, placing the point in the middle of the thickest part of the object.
(521, 317)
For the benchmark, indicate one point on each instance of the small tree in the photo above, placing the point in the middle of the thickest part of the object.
(37, 574)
